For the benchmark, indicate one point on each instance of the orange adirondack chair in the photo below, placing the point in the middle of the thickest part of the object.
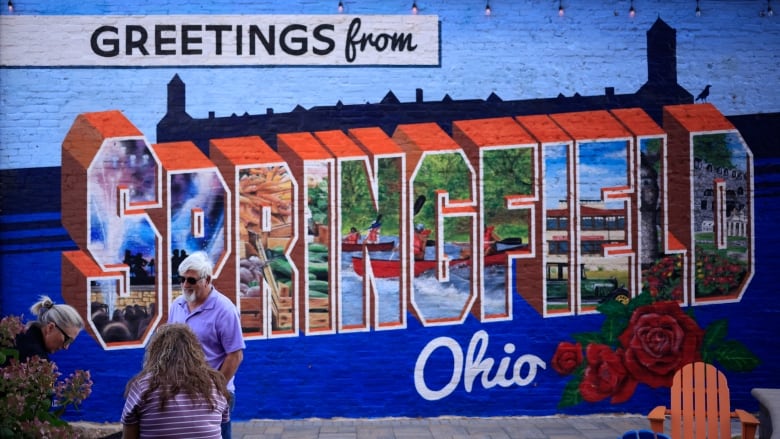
(700, 406)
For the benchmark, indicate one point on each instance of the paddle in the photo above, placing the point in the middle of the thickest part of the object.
(378, 219)
(418, 204)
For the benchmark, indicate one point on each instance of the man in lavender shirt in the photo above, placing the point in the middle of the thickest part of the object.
(213, 318)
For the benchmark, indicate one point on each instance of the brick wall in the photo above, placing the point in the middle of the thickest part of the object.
(521, 52)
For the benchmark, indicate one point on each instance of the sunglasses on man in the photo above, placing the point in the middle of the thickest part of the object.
(189, 280)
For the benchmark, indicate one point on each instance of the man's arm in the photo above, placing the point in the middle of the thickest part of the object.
(230, 365)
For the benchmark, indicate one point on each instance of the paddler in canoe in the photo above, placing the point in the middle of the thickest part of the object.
(420, 241)
(491, 238)
(353, 237)
(373, 233)
(351, 242)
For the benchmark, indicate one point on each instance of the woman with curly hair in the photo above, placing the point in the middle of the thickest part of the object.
(176, 394)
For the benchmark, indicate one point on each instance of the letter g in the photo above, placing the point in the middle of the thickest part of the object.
(112, 43)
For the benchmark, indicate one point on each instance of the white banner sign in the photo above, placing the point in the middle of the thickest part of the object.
(218, 40)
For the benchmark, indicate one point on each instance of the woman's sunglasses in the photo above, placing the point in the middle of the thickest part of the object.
(189, 280)
(68, 338)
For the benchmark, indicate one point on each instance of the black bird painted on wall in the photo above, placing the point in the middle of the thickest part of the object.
(704, 93)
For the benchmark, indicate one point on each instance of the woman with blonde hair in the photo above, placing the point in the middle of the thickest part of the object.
(176, 394)
(55, 328)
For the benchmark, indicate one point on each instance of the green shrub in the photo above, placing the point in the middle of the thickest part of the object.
(32, 397)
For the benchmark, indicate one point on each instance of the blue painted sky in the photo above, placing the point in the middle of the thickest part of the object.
(601, 165)
(524, 50)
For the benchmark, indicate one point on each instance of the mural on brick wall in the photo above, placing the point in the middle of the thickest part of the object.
(454, 257)
(449, 226)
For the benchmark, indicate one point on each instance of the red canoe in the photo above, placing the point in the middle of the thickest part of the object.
(378, 247)
(392, 267)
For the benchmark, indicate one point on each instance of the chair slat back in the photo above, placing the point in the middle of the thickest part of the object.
(700, 403)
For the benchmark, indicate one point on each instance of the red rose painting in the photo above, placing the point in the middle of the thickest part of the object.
(643, 342)
(606, 376)
(658, 341)
(567, 357)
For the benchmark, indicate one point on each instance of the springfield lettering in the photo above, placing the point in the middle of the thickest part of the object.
(220, 40)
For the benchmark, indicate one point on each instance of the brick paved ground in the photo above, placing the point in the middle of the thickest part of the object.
(531, 427)
(553, 427)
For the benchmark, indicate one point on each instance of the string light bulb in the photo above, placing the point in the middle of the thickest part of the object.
(10, 6)
(341, 7)
(698, 9)
(560, 8)
(488, 11)
(769, 11)
(414, 8)
(631, 10)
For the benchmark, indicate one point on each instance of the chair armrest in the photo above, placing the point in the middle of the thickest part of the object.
(657, 417)
(749, 423)
(745, 417)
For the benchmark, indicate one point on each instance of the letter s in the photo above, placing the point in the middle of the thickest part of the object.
(319, 36)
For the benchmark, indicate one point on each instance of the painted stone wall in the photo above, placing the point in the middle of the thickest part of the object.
(574, 194)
